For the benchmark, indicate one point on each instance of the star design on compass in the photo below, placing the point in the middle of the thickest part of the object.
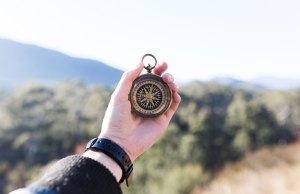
(149, 96)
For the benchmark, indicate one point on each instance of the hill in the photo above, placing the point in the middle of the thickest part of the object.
(240, 84)
(21, 63)
(270, 170)
(259, 83)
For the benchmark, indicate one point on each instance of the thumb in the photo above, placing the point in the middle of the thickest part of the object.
(131, 75)
(127, 79)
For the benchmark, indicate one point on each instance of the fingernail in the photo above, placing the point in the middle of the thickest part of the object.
(170, 78)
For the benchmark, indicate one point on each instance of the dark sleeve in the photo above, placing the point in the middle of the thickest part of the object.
(78, 175)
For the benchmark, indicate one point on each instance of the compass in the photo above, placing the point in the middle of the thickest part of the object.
(149, 96)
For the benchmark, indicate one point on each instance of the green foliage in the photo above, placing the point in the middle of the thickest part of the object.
(214, 125)
(40, 123)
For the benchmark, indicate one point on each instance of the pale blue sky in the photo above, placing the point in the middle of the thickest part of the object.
(199, 39)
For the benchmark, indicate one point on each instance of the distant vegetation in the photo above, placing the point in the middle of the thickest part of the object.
(273, 170)
(214, 125)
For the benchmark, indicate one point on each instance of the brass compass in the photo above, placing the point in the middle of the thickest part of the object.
(149, 96)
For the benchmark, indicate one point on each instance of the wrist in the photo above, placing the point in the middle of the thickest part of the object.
(121, 142)
(116, 153)
(106, 161)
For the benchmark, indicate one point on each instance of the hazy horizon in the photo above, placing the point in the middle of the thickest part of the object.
(199, 39)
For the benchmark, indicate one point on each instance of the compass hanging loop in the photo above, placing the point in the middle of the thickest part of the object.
(149, 67)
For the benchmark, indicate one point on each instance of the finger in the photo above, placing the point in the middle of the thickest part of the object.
(173, 87)
(160, 69)
(168, 78)
(174, 105)
(125, 83)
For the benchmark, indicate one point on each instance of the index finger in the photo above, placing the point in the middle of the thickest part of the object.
(160, 69)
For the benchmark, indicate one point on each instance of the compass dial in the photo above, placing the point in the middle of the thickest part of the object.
(150, 96)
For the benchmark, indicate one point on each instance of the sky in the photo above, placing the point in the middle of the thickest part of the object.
(199, 39)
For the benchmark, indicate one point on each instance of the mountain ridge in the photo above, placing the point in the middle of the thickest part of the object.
(260, 83)
(25, 62)
(21, 63)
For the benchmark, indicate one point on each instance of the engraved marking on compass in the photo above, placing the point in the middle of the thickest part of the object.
(149, 96)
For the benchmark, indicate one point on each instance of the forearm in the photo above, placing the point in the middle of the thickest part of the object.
(78, 175)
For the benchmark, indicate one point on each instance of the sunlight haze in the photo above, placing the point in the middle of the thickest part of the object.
(199, 39)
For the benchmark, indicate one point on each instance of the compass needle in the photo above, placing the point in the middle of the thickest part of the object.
(143, 100)
(151, 101)
(155, 93)
(154, 98)
(151, 89)
(147, 103)
(146, 92)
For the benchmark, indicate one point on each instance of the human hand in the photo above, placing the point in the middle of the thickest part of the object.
(133, 133)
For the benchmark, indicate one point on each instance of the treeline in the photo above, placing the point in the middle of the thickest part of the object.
(214, 125)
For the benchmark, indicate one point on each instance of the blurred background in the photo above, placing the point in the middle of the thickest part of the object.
(236, 62)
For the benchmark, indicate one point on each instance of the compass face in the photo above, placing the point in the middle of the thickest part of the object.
(150, 97)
